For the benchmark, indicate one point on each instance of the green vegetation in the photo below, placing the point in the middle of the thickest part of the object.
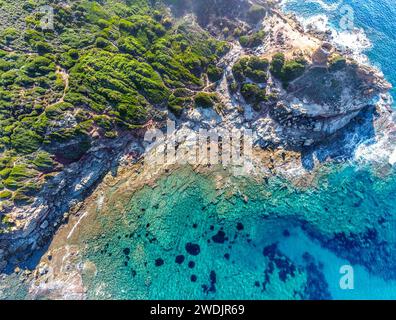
(254, 68)
(252, 41)
(5, 195)
(215, 73)
(337, 62)
(253, 94)
(256, 13)
(287, 70)
(205, 100)
(246, 71)
(108, 66)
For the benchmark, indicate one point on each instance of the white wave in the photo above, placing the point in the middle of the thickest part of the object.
(392, 158)
(318, 22)
(377, 152)
(352, 42)
(380, 149)
(321, 3)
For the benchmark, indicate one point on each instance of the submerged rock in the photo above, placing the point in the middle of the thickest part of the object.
(193, 249)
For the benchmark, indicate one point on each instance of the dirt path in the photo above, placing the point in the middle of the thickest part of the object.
(65, 77)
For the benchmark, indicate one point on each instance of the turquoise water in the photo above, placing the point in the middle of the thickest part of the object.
(282, 243)
(252, 240)
(376, 17)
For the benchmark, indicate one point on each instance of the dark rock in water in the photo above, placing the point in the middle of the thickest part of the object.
(211, 228)
(125, 263)
(212, 277)
(159, 262)
(127, 251)
(240, 226)
(179, 259)
(283, 275)
(133, 273)
(193, 249)
(191, 264)
(267, 272)
(257, 284)
(270, 250)
(227, 256)
(193, 278)
(213, 280)
(365, 248)
(317, 287)
(195, 226)
(286, 233)
(211, 287)
(220, 237)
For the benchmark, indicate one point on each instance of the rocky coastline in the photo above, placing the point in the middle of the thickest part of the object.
(315, 110)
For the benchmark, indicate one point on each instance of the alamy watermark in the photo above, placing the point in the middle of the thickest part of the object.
(47, 17)
(347, 281)
(203, 147)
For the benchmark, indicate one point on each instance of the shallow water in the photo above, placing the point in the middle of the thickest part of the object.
(252, 240)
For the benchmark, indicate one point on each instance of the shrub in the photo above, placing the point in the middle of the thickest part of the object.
(205, 100)
(252, 41)
(337, 62)
(57, 109)
(287, 70)
(102, 42)
(238, 70)
(253, 94)
(5, 173)
(214, 73)
(292, 70)
(73, 53)
(43, 47)
(256, 13)
(43, 162)
(176, 109)
(254, 68)
(25, 140)
(278, 60)
(40, 66)
(6, 194)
